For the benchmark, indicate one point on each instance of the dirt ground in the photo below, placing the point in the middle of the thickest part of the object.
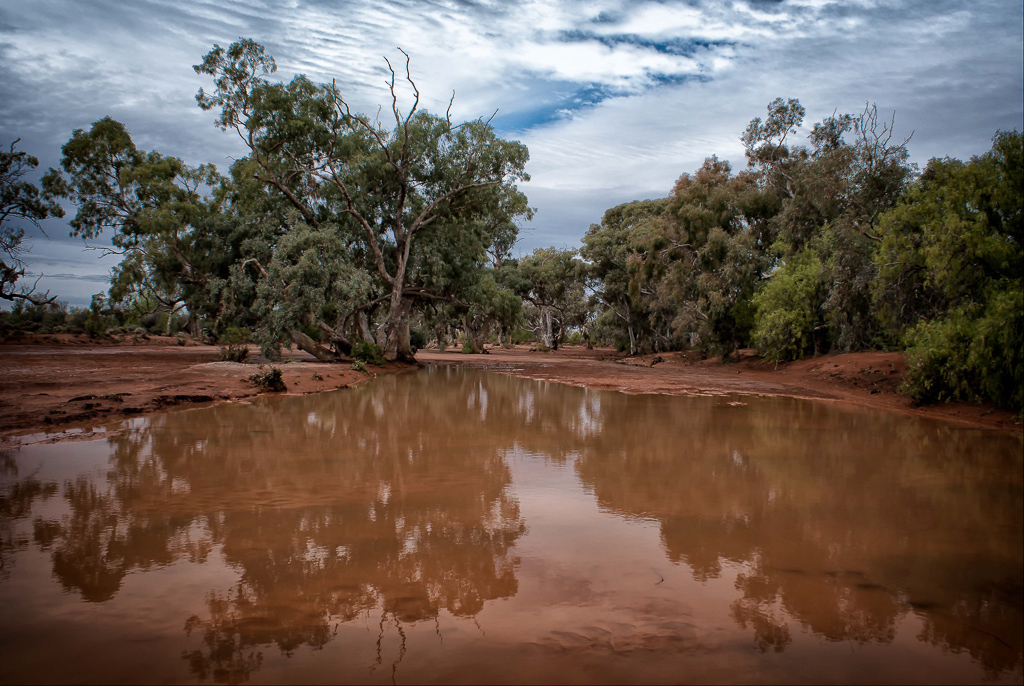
(58, 387)
(61, 386)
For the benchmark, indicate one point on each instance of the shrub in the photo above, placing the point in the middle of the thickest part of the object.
(970, 354)
(236, 344)
(367, 352)
(268, 379)
(523, 336)
(786, 310)
(417, 339)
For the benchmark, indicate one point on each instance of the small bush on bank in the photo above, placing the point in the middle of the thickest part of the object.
(523, 336)
(367, 352)
(268, 379)
(235, 348)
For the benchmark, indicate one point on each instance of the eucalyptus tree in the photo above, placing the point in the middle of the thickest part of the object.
(153, 206)
(831, 196)
(400, 194)
(551, 281)
(951, 276)
(20, 201)
(611, 251)
(705, 256)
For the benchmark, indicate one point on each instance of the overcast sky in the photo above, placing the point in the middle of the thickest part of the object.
(615, 99)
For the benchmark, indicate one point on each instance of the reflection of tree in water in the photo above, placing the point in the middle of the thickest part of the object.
(16, 498)
(393, 496)
(846, 537)
(392, 501)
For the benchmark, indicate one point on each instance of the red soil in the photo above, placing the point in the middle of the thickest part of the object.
(63, 385)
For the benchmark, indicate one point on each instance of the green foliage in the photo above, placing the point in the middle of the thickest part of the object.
(416, 207)
(696, 268)
(268, 379)
(367, 352)
(611, 251)
(235, 348)
(786, 317)
(19, 200)
(417, 339)
(521, 336)
(951, 271)
(970, 354)
(552, 281)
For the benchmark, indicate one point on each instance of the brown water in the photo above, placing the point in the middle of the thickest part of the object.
(458, 526)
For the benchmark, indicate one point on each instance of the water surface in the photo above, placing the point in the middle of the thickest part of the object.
(459, 526)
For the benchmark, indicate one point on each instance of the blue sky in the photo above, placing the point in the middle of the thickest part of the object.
(615, 99)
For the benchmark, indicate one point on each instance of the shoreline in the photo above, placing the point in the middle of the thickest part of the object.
(866, 380)
(63, 388)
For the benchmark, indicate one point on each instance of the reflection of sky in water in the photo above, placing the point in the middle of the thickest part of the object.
(510, 522)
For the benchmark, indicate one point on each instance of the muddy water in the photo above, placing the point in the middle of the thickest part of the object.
(458, 526)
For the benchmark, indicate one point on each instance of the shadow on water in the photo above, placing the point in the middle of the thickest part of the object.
(394, 501)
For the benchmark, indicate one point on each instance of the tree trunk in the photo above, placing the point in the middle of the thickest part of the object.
(363, 326)
(342, 345)
(310, 346)
(473, 338)
(547, 337)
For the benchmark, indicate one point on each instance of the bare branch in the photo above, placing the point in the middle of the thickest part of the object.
(448, 112)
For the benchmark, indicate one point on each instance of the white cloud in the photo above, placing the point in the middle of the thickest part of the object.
(614, 98)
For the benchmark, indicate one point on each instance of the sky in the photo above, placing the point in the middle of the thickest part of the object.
(614, 98)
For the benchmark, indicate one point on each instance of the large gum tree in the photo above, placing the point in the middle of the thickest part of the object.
(386, 187)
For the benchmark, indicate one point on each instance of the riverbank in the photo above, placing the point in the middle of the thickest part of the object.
(61, 386)
(869, 379)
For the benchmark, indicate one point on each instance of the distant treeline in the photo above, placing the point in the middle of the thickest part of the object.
(337, 231)
(838, 246)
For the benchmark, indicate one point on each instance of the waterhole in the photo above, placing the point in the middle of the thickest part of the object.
(466, 527)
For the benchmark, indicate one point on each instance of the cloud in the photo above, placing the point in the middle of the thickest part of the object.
(614, 98)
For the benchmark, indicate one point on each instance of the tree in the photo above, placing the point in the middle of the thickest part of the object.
(831, 195)
(152, 204)
(707, 256)
(390, 189)
(951, 276)
(608, 247)
(20, 200)
(551, 281)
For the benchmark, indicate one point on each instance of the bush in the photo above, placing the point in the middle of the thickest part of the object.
(970, 354)
(523, 336)
(236, 345)
(367, 352)
(268, 379)
(575, 338)
(786, 310)
(417, 339)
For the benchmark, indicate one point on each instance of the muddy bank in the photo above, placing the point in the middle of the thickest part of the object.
(868, 379)
(61, 386)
